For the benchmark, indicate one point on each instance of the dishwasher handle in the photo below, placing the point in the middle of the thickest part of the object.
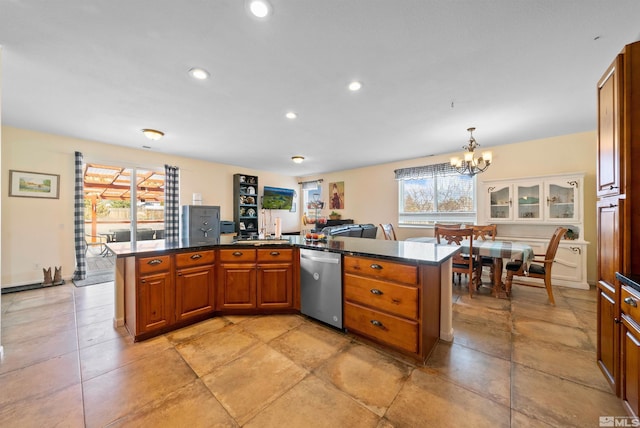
(333, 261)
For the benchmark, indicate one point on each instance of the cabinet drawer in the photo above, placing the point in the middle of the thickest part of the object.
(377, 268)
(391, 330)
(275, 255)
(154, 264)
(630, 302)
(395, 298)
(195, 258)
(238, 255)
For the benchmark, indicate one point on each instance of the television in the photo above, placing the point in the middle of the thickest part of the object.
(277, 198)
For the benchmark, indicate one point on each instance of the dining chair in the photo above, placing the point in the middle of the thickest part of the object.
(462, 263)
(486, 232)
(389, 233)
(539, 268)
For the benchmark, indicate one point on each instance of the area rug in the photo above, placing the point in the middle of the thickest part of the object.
(94, 278)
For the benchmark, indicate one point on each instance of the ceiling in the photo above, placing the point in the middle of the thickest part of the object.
(104, 70)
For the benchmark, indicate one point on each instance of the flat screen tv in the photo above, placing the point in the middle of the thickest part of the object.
(277, 198)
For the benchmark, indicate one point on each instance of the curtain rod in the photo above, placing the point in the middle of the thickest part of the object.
(320, 180)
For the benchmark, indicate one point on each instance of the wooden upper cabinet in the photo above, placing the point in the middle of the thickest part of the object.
(610, 116)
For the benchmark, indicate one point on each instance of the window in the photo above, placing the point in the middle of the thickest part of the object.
(311, 199)
(435, 193)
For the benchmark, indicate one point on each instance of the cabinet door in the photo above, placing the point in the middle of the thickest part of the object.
(562, 200)
(154, 302)
(609, 127)
(610, 247)
(500, 202)
(194, 292)
(237, 286)
(630, 387)
(275, 285)
(528, 198)
(608, 353)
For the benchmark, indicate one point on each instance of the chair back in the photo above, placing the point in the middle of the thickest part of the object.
(456, 236)
(485, 232)
(552, 248)
(389, 233)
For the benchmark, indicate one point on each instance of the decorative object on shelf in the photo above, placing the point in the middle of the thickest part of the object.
(336, 202)
(470, 165)
(334, 216)
(153, 134)
(27, 184)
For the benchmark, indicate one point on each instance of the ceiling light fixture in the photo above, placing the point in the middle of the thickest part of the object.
(259, 8)
(291, 115)
(355, 86)
(297, 159)
(470, 165)
(153, 134)
(199, 73)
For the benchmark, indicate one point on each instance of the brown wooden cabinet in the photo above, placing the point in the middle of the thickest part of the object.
(195, 284)
(275, 278)
(618, 213)
(256, 279)
(385, 301)
(237, 279)
(154, 300)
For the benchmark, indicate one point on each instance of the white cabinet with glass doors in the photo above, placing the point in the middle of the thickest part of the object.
(553, 199)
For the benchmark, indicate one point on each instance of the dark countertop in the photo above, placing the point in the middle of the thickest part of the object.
(406, 251)
(632, 281)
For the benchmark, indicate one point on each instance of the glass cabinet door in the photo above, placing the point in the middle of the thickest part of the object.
(500, 202)
(528, 202)
(562, 200)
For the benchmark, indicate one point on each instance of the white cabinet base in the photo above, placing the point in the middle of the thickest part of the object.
(569, 267)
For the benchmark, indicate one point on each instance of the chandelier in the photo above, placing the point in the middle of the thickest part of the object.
(471, 165)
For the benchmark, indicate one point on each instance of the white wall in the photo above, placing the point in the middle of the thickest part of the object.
(371, 193)
(38, 233)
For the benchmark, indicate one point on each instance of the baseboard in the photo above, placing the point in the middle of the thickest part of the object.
(26, 287)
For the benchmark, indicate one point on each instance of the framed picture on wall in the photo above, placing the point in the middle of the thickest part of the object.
(336, 195)
(25, 184)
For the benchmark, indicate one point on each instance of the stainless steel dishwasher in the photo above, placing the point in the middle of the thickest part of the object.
(321, 286)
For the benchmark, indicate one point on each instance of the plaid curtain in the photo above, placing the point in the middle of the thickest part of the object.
(171, 203)
(78, 221)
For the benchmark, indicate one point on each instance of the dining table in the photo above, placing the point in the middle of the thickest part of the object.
(497, 250)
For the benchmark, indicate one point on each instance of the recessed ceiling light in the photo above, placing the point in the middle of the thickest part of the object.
(259, 8)
(291, 115)
(153, 134)
(355, 86)
(199, 73)
(297, 159)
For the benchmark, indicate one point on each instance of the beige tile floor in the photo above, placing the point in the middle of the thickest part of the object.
(518, 363)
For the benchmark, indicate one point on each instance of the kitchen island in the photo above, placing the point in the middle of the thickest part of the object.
(162, 285)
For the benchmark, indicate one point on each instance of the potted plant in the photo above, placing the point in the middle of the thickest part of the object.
(334, 215)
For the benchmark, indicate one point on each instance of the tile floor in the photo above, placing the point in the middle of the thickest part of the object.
(517, 363)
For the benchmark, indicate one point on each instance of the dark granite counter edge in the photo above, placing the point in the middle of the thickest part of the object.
(411, 252)
(632, 281)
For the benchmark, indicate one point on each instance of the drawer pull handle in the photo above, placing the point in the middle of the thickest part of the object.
(377, 323)
(154, 262)
(237, 253)
(612, 205)
(275, 253)
(630, 301)
(196, 256)
(376, 292)
(376, 266)
(612, 187)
